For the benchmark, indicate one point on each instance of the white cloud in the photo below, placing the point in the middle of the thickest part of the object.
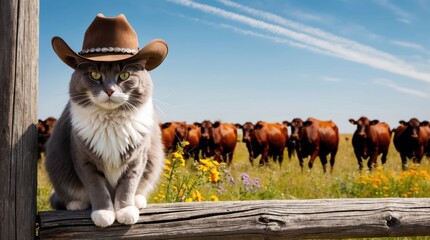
(401, 14)
(306, 16)
(276, 39)
(390, 84)
(411, 46)
(331, 79)
(315, 39)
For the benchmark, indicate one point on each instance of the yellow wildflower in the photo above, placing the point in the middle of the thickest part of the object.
(182, 162)
(214, 177)
(188, 200)
(177, 155)
(214, 198)
(207, 162)
(203, 168)
(197, 196)
(167, 168)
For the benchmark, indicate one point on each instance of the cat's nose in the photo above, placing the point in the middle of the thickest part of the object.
(109, 92)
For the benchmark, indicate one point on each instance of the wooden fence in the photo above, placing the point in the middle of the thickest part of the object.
(287, 219)
(19, 45)
(335, 218)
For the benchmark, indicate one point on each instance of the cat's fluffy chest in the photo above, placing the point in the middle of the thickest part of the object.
(110, 134)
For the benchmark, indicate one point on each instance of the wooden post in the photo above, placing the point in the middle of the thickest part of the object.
(287, 219)
(19, 45)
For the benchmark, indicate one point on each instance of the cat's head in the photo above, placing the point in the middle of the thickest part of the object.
(110, 86)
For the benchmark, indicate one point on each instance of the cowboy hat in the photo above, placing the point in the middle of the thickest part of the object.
(111, 40)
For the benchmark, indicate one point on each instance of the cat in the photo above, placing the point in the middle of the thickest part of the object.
(106, 152)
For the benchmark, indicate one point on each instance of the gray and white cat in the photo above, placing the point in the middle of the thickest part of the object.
(106, 152)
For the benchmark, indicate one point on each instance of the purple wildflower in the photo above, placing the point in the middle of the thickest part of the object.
(245, 177)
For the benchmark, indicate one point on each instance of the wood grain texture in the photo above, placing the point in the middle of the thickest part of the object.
(286, 219)
(19, 51)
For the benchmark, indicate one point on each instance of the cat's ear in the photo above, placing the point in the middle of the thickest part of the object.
(136, 65)
(86, 65)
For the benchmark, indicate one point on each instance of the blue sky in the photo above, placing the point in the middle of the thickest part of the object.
(239, 61)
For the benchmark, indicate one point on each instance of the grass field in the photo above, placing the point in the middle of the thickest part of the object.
(241, 181)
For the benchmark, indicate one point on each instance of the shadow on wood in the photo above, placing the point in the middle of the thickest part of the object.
(272, 219)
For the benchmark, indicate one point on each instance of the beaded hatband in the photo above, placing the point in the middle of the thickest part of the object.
(108, 50)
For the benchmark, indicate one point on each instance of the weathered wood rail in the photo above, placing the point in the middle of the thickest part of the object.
(286, 219)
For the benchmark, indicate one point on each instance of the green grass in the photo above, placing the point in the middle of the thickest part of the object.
(289, 182)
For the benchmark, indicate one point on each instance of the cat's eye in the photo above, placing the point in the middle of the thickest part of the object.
(124, 76)
(96, 75)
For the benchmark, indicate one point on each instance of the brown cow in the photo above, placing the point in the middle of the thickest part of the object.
(267, 139)
(193, 139)
(426, 128)
(370, 139)
(314, 138)
(172, 134)
(218, 140)
(44, 131)
(411, 140)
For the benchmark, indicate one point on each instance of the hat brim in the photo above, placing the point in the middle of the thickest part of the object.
(152, 54)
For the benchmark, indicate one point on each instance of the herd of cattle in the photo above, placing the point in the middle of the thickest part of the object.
(310, 138)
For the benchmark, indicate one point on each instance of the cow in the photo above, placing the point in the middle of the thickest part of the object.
(427, 128)
(218, 140)
(314, 138)
(193, 139)
(265, 139)
(172, 134)
(370, 139)
(44, 131)
(411, 140)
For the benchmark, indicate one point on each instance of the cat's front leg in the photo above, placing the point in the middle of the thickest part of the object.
(126, 211)
(103, 213)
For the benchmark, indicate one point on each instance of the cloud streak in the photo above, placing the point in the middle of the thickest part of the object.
(410, 46)
(402, 15)
(316, 39)
(392, 85)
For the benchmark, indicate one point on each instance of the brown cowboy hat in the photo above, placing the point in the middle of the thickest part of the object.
(111, 40)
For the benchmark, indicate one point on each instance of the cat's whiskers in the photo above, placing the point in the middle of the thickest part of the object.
(82, 99)
(129, 107)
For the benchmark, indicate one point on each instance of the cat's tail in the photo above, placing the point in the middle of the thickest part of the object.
(56, 203)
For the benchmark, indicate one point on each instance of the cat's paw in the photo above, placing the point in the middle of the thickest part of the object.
(103, 218)
(140, 201)
(128, 215)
